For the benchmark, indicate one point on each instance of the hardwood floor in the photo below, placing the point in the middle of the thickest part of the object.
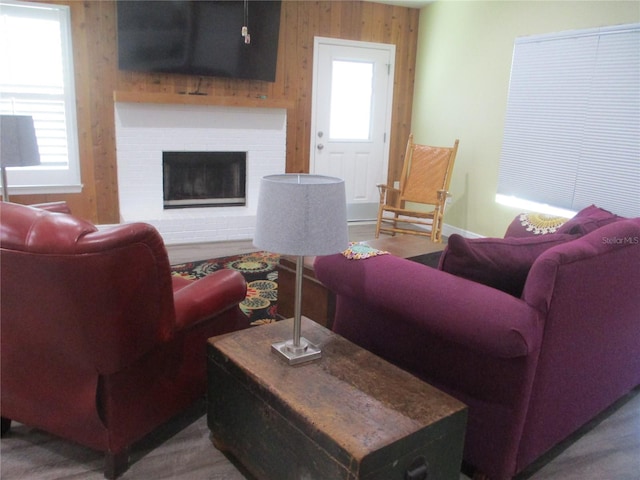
(608, 448)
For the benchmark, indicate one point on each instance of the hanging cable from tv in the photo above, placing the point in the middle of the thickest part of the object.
(245, 26)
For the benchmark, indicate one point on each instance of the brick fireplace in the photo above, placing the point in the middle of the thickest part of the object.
(144, 131)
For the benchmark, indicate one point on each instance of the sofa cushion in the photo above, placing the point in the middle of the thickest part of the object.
(589, 219)
(501, 263)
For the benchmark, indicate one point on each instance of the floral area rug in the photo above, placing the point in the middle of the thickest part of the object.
(258, 269)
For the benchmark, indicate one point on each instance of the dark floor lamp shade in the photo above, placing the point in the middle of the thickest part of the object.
(18, 145)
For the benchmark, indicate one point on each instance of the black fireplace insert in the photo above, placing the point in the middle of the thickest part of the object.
(204, 179)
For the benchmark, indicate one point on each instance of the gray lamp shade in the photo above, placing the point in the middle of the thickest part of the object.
(302, 214)
(18, 143)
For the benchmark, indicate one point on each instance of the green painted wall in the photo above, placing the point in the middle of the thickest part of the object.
(462, 82)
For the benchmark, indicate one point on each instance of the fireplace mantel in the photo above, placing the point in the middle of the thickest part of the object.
(186, 99)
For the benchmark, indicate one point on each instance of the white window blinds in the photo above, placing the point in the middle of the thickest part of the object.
(572, 127)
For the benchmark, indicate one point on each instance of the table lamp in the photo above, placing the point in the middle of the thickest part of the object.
(18, 146)
(301, 214)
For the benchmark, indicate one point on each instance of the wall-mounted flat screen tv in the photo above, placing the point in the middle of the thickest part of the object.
(199, 37)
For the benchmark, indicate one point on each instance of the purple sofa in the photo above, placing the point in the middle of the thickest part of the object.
(535, 361)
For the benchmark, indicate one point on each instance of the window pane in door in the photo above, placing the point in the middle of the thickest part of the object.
(351, 88)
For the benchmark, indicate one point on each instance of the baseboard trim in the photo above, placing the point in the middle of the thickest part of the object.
(449, 229)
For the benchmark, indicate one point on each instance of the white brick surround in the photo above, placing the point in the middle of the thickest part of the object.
(145, 130)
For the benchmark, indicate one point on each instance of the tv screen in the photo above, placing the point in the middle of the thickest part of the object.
(200, 37)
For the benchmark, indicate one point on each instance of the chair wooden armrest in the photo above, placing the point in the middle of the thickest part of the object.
(384, 186)
(443, 195)
(384, 190)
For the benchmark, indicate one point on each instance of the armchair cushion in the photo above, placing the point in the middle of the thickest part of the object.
(501, 263)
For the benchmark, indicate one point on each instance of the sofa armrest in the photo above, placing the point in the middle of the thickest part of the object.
(483, 319)
(209, 296)
(594, 253)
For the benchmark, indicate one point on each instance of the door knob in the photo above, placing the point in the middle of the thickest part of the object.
(320, 146)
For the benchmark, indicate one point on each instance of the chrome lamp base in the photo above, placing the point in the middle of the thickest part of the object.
(297, 350)
(294, 355)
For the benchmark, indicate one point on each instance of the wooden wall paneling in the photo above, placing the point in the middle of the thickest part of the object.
(97, 77)
(287, 69)
(80, 33)
(388, 32)
(289, 36)
(403, 31)
(103, 65)
(350, 30)
(379, 17)
(324, 24)
(303, 69)
(367, 22)
(336, 21)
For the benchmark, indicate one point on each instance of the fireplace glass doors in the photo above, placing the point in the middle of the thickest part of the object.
(204, 179)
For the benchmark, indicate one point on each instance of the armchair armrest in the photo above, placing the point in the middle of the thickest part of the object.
(484, 319)
(198, 300)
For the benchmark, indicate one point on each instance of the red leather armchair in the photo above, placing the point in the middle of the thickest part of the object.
(99, 343)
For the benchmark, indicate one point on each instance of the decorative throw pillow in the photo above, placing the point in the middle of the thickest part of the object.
(501, 263)
(529, 224)
(589, 219)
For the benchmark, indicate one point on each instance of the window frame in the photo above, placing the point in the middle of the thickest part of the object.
(46, 179)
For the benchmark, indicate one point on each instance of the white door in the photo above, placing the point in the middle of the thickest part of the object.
(351, 118)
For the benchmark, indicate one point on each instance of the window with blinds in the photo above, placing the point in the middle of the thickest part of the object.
(36, 79)
(572, 126)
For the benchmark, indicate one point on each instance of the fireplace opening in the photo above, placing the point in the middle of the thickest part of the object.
(204, 179)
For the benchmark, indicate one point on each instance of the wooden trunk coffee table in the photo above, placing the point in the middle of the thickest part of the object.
(349, 415)
(318, 303)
